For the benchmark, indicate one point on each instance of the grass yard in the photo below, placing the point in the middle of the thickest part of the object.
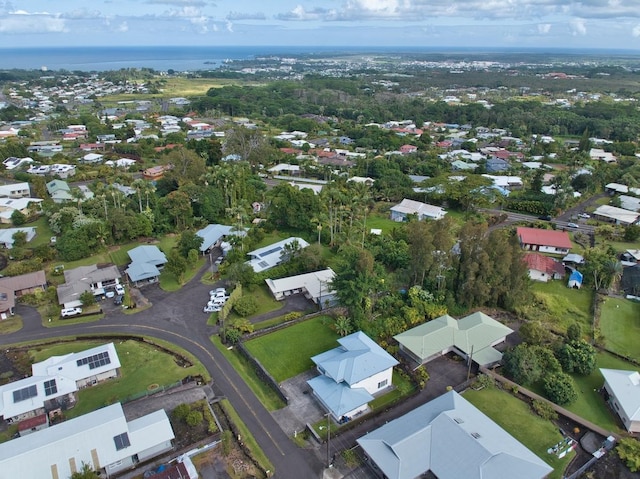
(169, 282)
(143, 366)
(590, 403)
(10, 325)
(402, 386)
(382, 222)
(263, 392)
(560, 306)
(515, 417)
(620, 326)
(287, 353)
(43, 232)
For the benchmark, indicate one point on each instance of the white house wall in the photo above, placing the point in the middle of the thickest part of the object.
(536, 275)
(371, 383)
(553, 250)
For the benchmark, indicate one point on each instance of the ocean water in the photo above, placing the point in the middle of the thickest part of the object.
(184, 58)
(191, 58)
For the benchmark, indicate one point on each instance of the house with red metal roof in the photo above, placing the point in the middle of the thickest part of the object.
(544, 241)
(543, 268)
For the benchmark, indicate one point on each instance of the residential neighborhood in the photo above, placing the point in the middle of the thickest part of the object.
(294, 270)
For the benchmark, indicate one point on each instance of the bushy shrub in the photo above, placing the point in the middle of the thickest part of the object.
(544, 410)
(246, 306)
(560, 389)
(181, 412)
(194, 418)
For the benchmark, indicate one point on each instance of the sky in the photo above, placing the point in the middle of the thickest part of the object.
(558, 24)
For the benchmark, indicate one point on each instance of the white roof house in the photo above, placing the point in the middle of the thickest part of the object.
(630, 203)
(623, 388)
(616, 215)
(103, 439)
(55, 377)
(265, 258)
(406, 207)
(316, 286)
(15, 190)
(453, 439)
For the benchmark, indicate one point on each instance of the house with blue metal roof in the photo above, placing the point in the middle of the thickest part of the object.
(350, 375)
(213, 235)
(449, 438)
(147, 262)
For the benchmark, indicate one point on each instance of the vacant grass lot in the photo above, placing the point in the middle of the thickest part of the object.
(620, 326)
(143, 367)
(10, 325)
(287, 353)
(515, 417)
(560, 306)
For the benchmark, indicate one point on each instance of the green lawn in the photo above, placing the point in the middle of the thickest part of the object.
(263, 392)
(143, 366)
(43, 232)
(590, 404)
(561, 306)
(620, 326)
(515, 417)
(402, 385)
(10, 325)
(120, 256)
(382, 222)
(169, 282)
(287, 353)
(265, 300)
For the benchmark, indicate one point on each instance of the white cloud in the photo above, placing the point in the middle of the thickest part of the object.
(123, 27)
(578, 26)
(229, 26)
(25, 22)
(544, 28)
(82, 13)
(235, 16)
(636, 31)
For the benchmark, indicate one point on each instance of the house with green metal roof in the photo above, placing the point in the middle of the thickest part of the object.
(474, 335)
(449, 438)
(350, 375)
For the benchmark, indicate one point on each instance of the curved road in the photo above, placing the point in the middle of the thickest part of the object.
(178, 318)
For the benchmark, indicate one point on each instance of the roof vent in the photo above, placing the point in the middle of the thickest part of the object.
(476, 435)
(458, 420)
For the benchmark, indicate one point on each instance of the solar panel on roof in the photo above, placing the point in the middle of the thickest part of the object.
(263, 264)
(25, 393)
(95, 361)
(121, 441)
(271, 251)
(50, 387)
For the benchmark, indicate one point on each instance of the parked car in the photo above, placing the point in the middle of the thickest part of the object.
(586, 216)
(217, 302)
(215, 292)
(545, 217)
(211, 309)
(118, 299)
(119, 289)
(110, 294)
(68, 312)
(572, 225)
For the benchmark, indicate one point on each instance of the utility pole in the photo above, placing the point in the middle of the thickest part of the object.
(328, 440)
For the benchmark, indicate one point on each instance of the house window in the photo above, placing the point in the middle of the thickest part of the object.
(121, 441)
(382, 384)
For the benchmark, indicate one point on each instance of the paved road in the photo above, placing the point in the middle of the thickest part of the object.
(561, 222)
(178, 318)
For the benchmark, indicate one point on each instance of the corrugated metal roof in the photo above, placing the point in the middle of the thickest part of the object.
(451, 438)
